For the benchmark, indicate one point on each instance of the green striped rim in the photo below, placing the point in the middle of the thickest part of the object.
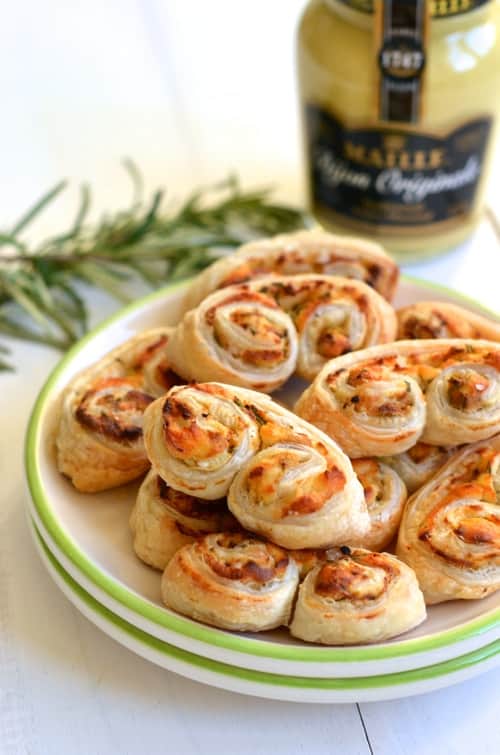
(178, 624)
(349, 683)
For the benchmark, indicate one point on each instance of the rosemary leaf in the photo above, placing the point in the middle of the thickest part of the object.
(5, 366)
(38, 207)
(148, 220)
(28, 303)
(58, 241)
(149, 277)
(136, 178)
(15, 330)
(101, 278)
(9, 239)
(73, 304)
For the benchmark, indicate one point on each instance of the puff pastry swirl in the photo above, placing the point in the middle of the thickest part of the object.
(298, 491)
(199, 435)
(302, 252)
(333, 316)
(232, 581)
(385, 496)
(357, 597)
(435, 319)
(450, 532)
(419, 463)
(99, 440)
(284, 478)
(236, 336)
(164, 519)
(382, 400)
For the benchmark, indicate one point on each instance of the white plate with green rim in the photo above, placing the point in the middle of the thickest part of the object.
(90, 538)
(262, 684)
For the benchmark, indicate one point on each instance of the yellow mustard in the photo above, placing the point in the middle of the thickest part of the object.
(399, 102)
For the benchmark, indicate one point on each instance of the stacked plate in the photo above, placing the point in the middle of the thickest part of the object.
(86, 546)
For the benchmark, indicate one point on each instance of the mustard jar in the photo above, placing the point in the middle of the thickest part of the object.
(399, 104)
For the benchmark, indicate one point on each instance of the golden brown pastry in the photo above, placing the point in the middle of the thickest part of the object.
(99, 440)
(284, 479)
(382, 400)
(232, 581)
(198, 437)
(237, 336)
(419, 463)
(385, 496)
(357, 597)
(450, 532)
(295, 253)
(332, 315)
(437, 319)
(164, 519)
(299, 490)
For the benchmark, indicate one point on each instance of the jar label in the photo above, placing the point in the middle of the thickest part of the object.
(394, 177)
(438, 8)
(401, 38)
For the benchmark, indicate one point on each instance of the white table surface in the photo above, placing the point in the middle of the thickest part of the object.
(190, 92)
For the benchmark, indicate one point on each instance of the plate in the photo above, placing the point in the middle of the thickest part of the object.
(258, 683)
(90, 535)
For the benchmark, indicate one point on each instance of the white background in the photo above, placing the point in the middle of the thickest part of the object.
(190, 90)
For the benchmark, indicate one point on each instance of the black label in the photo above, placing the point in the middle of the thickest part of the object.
(394, 177)
(438, 8)
(401, 29)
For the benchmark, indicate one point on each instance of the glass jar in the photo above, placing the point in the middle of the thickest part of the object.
(399, 117)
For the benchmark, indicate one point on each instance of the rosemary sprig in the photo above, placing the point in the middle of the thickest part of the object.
(41, 297)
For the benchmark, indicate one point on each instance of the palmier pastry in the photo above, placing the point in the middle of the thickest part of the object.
(332, 315)
(450, 531)
(232, 581)
(436, 319)
(99, 440)
(163, 520)
(198, 436)
(300, 491)
(385, 496)
(236, 336)
(301, 252)
(382, 400)
(357, 597)
(284, 479)
(419, 463)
